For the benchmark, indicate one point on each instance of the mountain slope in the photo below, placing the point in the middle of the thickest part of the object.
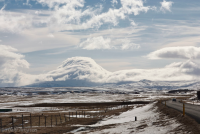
(84, 71)
(76, 71)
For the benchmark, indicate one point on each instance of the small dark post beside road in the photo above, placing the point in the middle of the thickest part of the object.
(22, 122)
(198, 95)
(45, 120)
(51, 120)
(39, 120)
(1, 126)
(60, 119)
(56, 119)
(135, 118)
(13, 123)
(183, 109)
(30, 121)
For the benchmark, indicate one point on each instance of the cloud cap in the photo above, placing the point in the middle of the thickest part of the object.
(187, 52)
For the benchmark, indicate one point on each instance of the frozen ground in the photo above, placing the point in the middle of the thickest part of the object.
(9, 101)
(149, 121)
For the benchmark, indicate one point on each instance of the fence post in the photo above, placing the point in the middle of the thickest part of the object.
(69, 116)
(45, 120)
(56, 119)
(30, 121)
(39, 120)
(12, 123)
(135, 118)
(183, 109)
(60, 118)
(51, 120)
(1, 126)
(22, 121)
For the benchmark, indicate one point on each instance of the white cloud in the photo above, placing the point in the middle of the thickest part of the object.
(12, 67)
(84, 68)
(27, 3)
(189, 67)
(41, 39)
(53, 3)
(114, 2)
(67, 14)
(38, 12)
(79, 68)
(3, 8)
(96, 43)
(100, 42)
(188, 52)
(50, 35)
(11, 59)
(14, 22)
(11, 64)
(166, 5)
(113, 15)
(133, 23)
(133, 7)
(127, 45)
(87, 70)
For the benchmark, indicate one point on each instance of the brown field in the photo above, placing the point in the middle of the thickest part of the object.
(56, 122)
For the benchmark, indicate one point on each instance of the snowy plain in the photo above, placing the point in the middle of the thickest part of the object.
(148, 118)
(125, 123)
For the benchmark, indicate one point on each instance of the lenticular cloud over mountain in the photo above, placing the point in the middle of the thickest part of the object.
(84, 71)
(79, 68)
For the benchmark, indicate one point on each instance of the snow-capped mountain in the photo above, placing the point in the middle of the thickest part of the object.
(154, 85)
(84, 71)
(76, 71)
(79, 68)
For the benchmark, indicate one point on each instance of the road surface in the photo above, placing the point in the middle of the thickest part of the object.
(190, 110)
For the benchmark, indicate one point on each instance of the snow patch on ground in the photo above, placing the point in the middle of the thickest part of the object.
(141, 113)
(125, 123)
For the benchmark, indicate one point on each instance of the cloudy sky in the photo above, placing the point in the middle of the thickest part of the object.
(36, 36)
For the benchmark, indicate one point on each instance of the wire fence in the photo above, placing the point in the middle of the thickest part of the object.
(25, 121)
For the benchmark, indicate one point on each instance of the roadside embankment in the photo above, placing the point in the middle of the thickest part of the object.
(189, 125)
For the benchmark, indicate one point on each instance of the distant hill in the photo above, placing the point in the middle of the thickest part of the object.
(85, 72)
